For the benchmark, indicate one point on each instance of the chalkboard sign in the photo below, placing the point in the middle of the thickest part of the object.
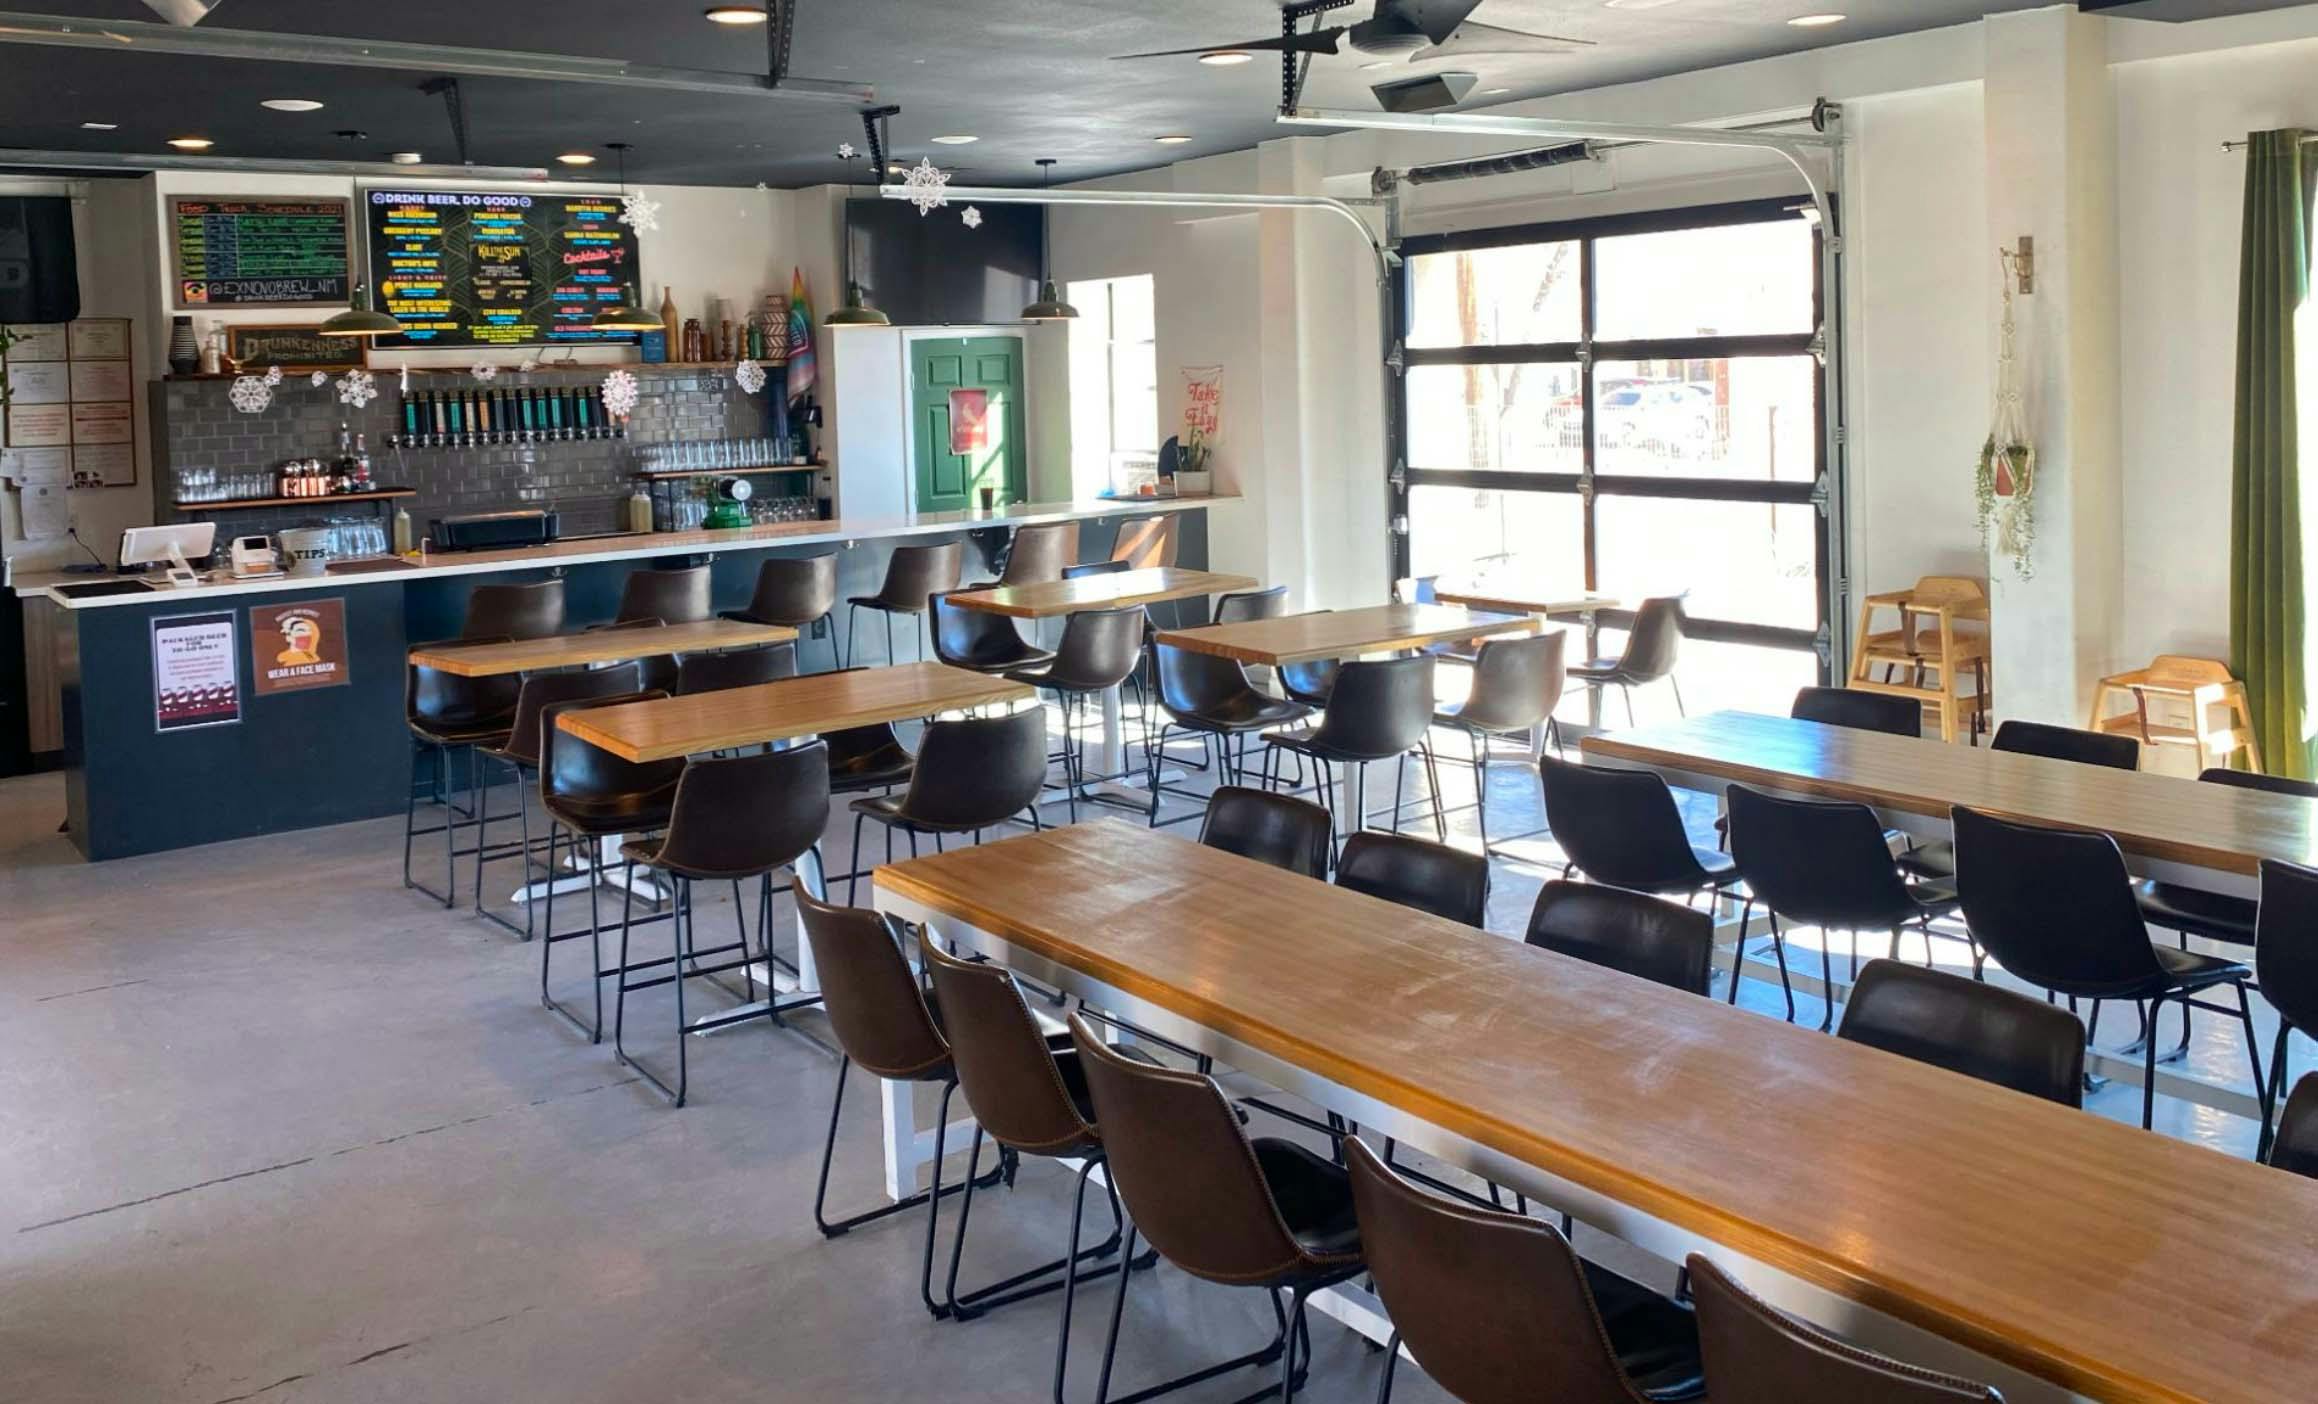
(298, 348)
(486, 268)
(231, 252)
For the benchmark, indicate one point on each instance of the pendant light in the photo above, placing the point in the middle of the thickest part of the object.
(1050, 307)
(358, 320)
(625, 315)
(857, 311)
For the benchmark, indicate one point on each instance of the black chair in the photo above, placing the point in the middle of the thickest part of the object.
(1100, 648)
(1209, 698)
(865, 758)
(2213, 915)
(969, 775)
(1859, 711)
(798, 593)
(1827, 865)
(1653, 644)
(1970, 1027)
(1037, 555)
(726, 669)
(2055, 908)
(979, 641)
(1632, 932)
(732, 821)
(1431, 877)
(1517, 683)
(591, 796)
(1756, 1354)
(1494, 1305)
(448, 717)
(1937, 860)
(1311, 680)
(913, 576)
(2296, 1146)
(650, 598)
(1376, 711)
(520, 753)
(533, 611)
(1241, 606)
(1281, 830)
(1146, 543)
(1266, 1214)
(2286, 960)
(1094, 568)
(1425, 590)
(1622, 827)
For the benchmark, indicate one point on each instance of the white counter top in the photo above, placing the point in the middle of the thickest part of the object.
(631, 547)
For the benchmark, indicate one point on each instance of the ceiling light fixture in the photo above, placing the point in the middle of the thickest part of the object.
(1816, 21)
(407, 158)
(1372, 67)
(1495, 92)
(360, 321)
(958, 140)
(1635, 4)
(735, 14)
(1050, 307)
(100, 126)
(1171, 140)
(292, 104)
(625, 315)
(577, 158)
(1226, 58)
(191, 143)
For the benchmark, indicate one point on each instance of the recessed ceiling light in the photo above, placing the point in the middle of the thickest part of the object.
(1493, 92)
(896, 167)
(100, 126)
(957, 140)
(735, 14)
(1815, 21)
(1226, 58)
(406, 158)
(191, 143)
(1372, 67)
(292, 104)
(1171, 140)
(576, 158)
(1635, 4)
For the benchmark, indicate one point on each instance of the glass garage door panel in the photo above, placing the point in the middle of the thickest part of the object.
(1524, 418)
(1724, 280)
(1744, 562)
(1748, 418)
(1513, 295)
(1483, 536)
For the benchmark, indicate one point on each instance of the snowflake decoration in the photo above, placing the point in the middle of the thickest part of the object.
(318, 379)
(749, 376)
(484, 371)
(928, 186)
(845, 151)
(357, 388)
(528, 364)
(640, 212)
(273, 376)
(620, 393)
(251, 394)
(972, 217)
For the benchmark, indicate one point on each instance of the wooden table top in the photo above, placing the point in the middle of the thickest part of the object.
(2216, 827)
(2123, 1265)
(1344, 633)
(779, 711)
(1126, 587)
(1518, 598)
(602, 646)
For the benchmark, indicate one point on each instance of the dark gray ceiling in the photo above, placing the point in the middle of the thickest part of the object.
(1032, 78)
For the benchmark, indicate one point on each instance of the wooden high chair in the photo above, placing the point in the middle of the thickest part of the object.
(1927, 655)
(2220, 721)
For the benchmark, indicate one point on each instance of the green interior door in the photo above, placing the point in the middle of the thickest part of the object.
(966, 401)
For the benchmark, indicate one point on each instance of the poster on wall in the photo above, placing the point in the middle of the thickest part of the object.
(231, 251)
(1202, 404)
(969, 421)
(298, 647)
(498, 268)
(195, 681)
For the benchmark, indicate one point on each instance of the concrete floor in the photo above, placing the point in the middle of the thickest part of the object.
(273, 1128)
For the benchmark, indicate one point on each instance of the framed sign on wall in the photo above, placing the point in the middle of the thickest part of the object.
(294, 347)
(232, 251)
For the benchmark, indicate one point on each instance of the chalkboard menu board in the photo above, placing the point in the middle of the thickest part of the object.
(482, 268)
(232, 252)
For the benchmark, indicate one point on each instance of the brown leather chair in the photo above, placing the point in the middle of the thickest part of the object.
(649, 598)
(1653, 644)
(913, 576)
(882, 1022)
(1493, 1304)
(1281, 830)
(520, 754)
(1969, 1027)
(729, 668)
(1147, 543)
(979, 641)
(1038, 555)
(533, 611)
(731, 820)
(969, 776)
(798, 593)
(1757, 1354)
(2296, 1147)
(1626, 931)
(1517, 683)
(1414, 872)
(1029, 1096)
(1211, 699)
(591, 795)
(1100, 650)
(449, 715)
(1265, 1213)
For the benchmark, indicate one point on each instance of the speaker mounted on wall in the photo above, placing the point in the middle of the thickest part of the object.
(39, 272)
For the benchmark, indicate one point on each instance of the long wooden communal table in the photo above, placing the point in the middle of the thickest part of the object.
(2052, 1252)
(597, 646)
(787, 709)
(1344, 633)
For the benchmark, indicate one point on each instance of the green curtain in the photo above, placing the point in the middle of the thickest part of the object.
(2267, 638)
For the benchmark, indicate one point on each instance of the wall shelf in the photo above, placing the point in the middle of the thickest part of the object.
(667, 474)
(240, 504)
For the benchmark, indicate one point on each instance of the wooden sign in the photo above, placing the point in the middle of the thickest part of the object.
(301, 347)
(297, 647)
(230, 251)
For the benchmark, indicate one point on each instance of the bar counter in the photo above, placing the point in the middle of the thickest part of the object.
(302, 744)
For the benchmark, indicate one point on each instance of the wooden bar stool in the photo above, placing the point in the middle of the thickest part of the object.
(2220, 720)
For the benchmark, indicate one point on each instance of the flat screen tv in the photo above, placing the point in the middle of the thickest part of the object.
(931, 270)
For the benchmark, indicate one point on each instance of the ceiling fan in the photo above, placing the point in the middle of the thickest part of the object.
(1422, 30)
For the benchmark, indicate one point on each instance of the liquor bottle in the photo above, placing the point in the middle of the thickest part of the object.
(362, 480)
(669, 320)
(695, 344)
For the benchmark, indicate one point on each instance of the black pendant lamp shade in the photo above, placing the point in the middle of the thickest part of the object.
(358, 320)
(856, 312)
(1050, 307)
(625, 315)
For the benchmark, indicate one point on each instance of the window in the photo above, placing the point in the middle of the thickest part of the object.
(1114, 380)
(1630, 406)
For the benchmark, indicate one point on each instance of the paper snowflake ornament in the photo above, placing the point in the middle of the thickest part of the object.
(620, 393)
(318, 379)
(357, 388)
(251, 394)
(972, 218)
(928, 186)
(749, 376)
(845, 151)
(528, 364)
(273, 375)
(639, 212)
(484, 371)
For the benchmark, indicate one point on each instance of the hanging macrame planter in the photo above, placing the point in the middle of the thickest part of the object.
(2005, 483)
